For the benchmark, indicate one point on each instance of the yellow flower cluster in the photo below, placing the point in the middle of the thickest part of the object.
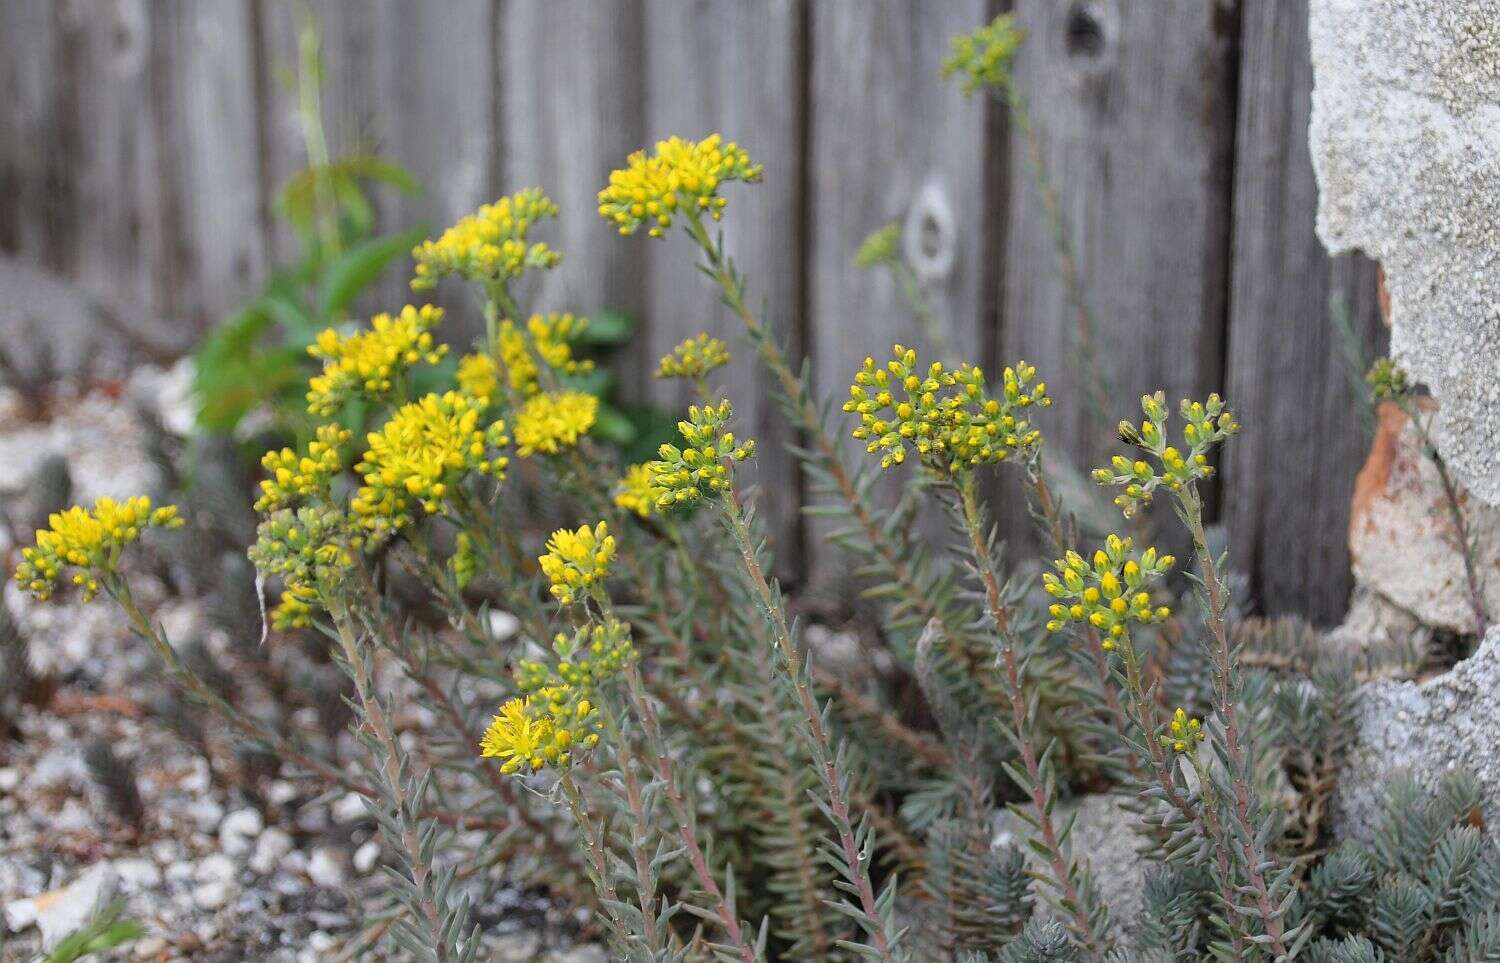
(947, 416)
(576, 560)
(984, 56)
(293, 477)
(1207, 424)
(879, 247)
(368, 362)
(701, 466)
(557, 714)
(548, 422)
(1183, 733)
(694, 358)
(88, 541)
(522, 737)
(309, 550)
(551, 338)
(1387, 380)
(682, 176)
(490, 245)
(478, 376)
(1108, 594)
(417, 456)
(635, 492)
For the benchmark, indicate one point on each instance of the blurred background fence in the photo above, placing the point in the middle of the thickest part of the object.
(143, 142)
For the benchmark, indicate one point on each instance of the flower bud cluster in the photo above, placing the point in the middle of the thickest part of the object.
(947, 417)
(694, 358)
(1206, 424)
(679, 176)
(701, 467)
(1108, 592)
(576, 560)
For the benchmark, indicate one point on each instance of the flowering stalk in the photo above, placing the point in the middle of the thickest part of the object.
(403, 825)
(1226, 688)
(1086, 918)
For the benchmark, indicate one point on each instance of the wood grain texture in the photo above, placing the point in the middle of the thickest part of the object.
(1289, 475)
(571, 86)
(890, 140)
(1133, 112)
(722, 65)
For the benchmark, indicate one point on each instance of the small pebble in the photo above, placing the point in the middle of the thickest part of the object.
(270, 848)
(324, 868)
(238, 831)
(366, 856)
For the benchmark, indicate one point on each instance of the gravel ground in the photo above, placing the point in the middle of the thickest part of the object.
(211, 871)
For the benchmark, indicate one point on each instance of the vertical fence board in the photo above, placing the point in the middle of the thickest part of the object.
(888, 136)
(1289, 475)
(720, 65)
(32, 142)
(1132, 107)
(571, 103)
(210, 138)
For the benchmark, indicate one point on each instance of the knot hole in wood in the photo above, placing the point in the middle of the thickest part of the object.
(930, 235)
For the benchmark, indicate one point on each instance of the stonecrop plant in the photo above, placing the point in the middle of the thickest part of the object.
(656, 743)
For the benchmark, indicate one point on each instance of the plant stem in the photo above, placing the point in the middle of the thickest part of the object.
(641, 702)
(820, 744)
(1224, 681)
(1037, 785)
(598, 857)
(1456, 513)
(379, 725)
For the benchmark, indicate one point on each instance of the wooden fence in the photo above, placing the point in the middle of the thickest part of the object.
(142, 143)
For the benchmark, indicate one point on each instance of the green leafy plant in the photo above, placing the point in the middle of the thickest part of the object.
(661, 743)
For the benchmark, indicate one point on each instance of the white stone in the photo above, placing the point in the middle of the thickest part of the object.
(62, 912)
(325, 869)
(1405, 141)
(138, 874)
(214, 868)
(205, 814)
(366, 856)
(503, 625)
(10, 778)
(270, 848)
(238, 831)
(281, 792)
(212, 895)
(1423, 730)
(351, 808)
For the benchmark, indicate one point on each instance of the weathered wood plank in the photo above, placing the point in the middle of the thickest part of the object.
(721, 65)
(888, 136)
(209, 141)
(571, 109)
(1289, 475)
(1133, 111)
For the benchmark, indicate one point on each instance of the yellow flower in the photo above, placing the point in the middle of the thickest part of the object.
(548, 423)
(1108, 592)
(694, 358)
(417, 457)
(88, 541)
(984, 56)
(478, 376)
(1183, 733)
(879, 247)
(490, 245)
(576, 560)
(370, 361)
(294, 611)
(634, 492)
(947, 417)
(680, 176)
(550, 339)
(701, 466)
(292, 477)
(1207, 424)
(519, 736)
